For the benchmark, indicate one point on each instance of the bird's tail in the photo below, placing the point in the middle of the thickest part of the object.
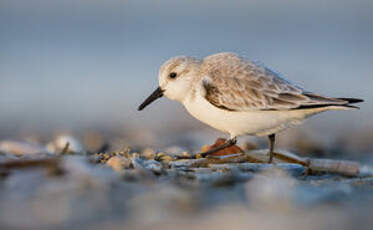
(331, 102)
(351, 101)
(335, 104)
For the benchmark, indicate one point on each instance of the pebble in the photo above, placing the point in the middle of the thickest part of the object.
(189, 163)
(151, 165)
(154, 191)
(119, 163)
(164, 158)
(148, 153)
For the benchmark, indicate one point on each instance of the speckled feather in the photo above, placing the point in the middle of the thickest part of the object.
(236, 84)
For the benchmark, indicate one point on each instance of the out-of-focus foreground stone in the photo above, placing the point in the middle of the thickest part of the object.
(153, 190)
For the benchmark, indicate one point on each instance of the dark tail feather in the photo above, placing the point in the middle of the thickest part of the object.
(351, 106)
(351, 100)
(325, 105)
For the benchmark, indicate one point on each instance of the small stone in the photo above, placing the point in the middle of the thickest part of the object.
(148, 153)
(154, 166)
(343, 167)
(164, 158)
(135, 155)
(119, 163)
(190, 163)
(150, 165)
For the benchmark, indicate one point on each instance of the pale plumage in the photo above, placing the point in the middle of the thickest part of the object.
(240, 97)
(236, 84)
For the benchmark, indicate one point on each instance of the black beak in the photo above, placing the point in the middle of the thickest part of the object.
(154, 96)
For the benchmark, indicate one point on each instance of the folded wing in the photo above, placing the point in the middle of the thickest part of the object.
(236, 84)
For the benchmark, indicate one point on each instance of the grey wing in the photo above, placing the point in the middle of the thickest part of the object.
(235, 84)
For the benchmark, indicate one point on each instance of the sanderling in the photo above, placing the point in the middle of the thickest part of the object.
(239, 97)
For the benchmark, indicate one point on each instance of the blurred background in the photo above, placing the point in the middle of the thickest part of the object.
(82, 66)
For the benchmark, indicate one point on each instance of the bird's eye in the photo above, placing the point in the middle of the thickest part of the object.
(173, 75)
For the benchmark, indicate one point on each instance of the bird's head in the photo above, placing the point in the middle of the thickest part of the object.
(176, 78)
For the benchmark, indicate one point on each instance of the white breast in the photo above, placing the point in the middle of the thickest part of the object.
(257, 123)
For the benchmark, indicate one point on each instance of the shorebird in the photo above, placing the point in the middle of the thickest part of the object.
(240, 97)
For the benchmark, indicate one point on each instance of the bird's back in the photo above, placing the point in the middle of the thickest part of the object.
(237, 84)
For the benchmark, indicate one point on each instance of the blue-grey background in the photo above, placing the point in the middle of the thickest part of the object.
(76, 64)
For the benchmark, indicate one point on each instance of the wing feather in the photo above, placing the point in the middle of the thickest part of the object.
(236, 84)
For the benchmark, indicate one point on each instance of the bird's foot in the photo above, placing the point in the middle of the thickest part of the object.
(210, 151)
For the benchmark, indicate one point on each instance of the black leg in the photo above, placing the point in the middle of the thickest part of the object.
(271, 140)
(227, 144)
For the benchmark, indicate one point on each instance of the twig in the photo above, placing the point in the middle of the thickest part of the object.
(65, 149)
(52, 164)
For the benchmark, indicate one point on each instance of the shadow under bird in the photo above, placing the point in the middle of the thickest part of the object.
(239, 97)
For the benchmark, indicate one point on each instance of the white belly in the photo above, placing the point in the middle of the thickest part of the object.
(259, 123)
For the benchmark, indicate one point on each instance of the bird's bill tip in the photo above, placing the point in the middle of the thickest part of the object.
(154, 96)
